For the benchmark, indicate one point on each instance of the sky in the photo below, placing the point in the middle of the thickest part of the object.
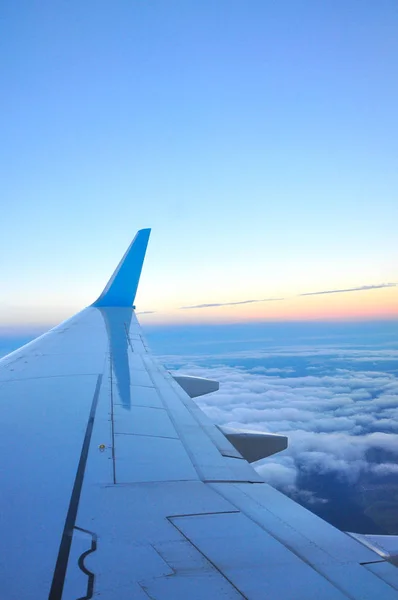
(258, 139)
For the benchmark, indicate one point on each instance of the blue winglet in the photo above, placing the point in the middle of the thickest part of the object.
(122, 286)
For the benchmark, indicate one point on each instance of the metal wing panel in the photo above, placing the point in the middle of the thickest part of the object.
(326, 549)
(254, 561)
(47, 392)
(301, 530)
(42, 447)
(386, 571)
(210, 463)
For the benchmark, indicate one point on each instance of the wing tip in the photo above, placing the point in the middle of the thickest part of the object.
(122, 287)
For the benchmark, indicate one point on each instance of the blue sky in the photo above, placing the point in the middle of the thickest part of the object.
(258, 140)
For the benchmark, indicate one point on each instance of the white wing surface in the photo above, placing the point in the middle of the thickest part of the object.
(115, 485)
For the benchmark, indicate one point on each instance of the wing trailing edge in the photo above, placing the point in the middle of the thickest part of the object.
(122, 287)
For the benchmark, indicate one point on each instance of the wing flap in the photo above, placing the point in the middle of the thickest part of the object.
(196, 386)
(255, 445)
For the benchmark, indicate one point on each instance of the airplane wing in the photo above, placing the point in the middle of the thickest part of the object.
(115, 485)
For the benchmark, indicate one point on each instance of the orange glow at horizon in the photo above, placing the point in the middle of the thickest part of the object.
(362, 305)
(370, 304)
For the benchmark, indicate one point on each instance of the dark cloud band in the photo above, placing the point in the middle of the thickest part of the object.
(229, 303)
(362, 288)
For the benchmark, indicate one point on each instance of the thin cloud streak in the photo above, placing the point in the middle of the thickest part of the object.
(362, 288)
(229, 303)
(253, 301)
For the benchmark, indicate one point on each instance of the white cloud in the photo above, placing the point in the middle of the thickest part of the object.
(332, 421)
(385, 469)
(278, 473)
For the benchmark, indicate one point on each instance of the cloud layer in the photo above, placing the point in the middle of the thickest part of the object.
(344, 424)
